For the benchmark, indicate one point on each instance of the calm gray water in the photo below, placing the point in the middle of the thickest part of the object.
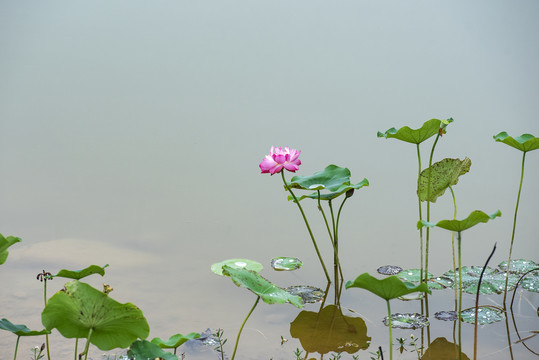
(132, 133)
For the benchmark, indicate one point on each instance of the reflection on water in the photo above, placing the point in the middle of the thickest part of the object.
(441, 349)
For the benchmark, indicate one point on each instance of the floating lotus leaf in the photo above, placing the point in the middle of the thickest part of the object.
(441, 349)
(473, 219)
(269, 292)
(525, 142)
(412, 296)
(389, 288)
(286, 263)
(309, 294)
(493, 280)
(144, 350)
(389, 270)
(485, 315)
(341, 190)
(519, 266)
(175, 340)
(531, 282)
(217, 268)
(428, 129)
(414, 276)
(329, 331)
(79, 274)
(407, 321)
(446, 315)
(79, 308)
(440, 283)
(20, 330)
(442, 174)
(5, 243)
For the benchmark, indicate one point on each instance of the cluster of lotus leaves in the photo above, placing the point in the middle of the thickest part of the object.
(79, 308)
(333, 178)
(5, 243)
(417, 136)
(330, 331)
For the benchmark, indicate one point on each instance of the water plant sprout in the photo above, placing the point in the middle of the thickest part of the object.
(524, 143)
(389, 288)
(459, 226)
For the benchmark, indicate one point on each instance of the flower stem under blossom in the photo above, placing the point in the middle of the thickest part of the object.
(308, 227)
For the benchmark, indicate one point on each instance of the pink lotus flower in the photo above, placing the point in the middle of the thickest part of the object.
(279, 159)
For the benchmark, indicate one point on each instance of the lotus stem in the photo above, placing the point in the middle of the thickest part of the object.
(76, 347)
(453, 245)
(45, 301)
(428, 212)
(390, 331)
(308, 227)
(514, 227)
(16, 347)
(459, 238)
(420, 216)
(242, 325)
(477, 303)
(87, 344)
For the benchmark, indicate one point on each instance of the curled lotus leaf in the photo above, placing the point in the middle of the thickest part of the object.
(144, 350)
(417, 136)
(441, 349)
(485, 315)
(519, 266)
(79, 308)
(473, 219)
(284, 263)
(217, 268)
(389, 270)
(332, 178)
(253, 281)
(330, 196)
(79, 274)
(175, 340)
(440, 176)
(309, 294)
(493, 280)
(524, 142)
(5, 243)
(407, 321)
(389, 288)
(446, 315)
(20, 330)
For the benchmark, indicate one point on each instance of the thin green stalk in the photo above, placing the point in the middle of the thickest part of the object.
(87, 344)
(45, 301)
(335, 253)
(514, 227)
(420, 215)
(76, 347)
(16, 347)
(390, 331)
(460, 294)
(242, 325)
(428, 212)
(331, 236)
(308, 227)
(453, 245)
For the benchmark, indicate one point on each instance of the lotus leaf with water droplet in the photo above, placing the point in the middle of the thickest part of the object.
(217, 268)
(485, 315)
(284, 263)
(519, 266)
(407, 321)
(493, 280)
(446, 315)
(389, 270)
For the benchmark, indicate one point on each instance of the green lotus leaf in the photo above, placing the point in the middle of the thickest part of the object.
(330, 196)
(329, 330)
(269, 292)
(531, 282)
(441, 349)
(79, 308)
(485, 315)
(5, 243)
(519, 266)
(389, 288)
(473, 219)
(493, 280)
(20, 330)
(79, 274)
(525, 142)
(175, 340)
(442, 174)
(332, 178)
(217, 268)
(428, 129)
(144, 350)
(284, 263)
(414, 276)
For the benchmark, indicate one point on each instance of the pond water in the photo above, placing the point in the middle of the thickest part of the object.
(136, 143)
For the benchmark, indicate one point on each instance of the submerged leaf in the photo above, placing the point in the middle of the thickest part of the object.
(405, 133)
(20, 330)
(79, 274)
(442, 174)
(309, 294)
(446, 315)
(79, 308)
(217, 268)
(473, 219)
(389, 288)
(284, 263)
(525, 142)
(389, 270)
(485, 315)
(144, 350)
(5, 243)
(493, 280)
(407, 321)
(175, 340)
(269, 292)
